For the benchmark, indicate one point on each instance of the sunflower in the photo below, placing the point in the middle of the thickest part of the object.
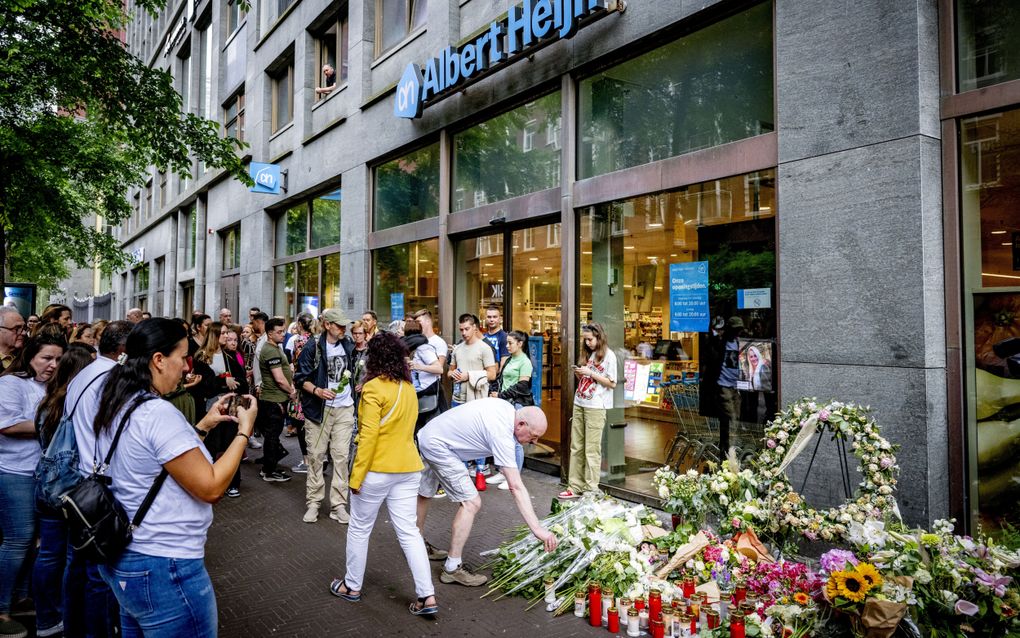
(832, 587)
(801, 598)
(852, 585)
(870, 574)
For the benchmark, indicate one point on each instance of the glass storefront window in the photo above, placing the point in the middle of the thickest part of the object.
(325, 223)
(512, 154)
(292, 232)
(630, 253)
(308, 286)
(708, 88)
(479, 274)
(283, 290)
(406, 276)
(987, 48)
(990, 190)
(331, 281)
(407, 189)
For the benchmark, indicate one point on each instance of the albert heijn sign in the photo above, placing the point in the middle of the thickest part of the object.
(527, 26)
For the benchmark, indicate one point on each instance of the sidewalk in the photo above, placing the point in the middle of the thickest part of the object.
(271, 571)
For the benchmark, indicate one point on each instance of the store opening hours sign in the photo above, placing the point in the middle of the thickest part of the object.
(688, 297)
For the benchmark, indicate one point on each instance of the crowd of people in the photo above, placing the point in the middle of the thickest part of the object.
(193, 398)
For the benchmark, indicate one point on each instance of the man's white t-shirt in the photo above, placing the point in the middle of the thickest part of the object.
(472, 431)
(85, 415)
(439, 345)
(336, 364)
(19, 400)
(176, 524)
(595, 395)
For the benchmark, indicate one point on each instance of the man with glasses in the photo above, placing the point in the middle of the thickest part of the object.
(486, 427)
(12, 335)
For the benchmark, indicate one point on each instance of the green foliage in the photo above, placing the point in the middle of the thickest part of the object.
(81, 120)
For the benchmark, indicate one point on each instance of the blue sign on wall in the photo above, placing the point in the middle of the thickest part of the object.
(266, 176)
(535, 345)
(396, 306)
(688, 297)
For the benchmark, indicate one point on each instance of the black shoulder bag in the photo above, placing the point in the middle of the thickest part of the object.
(98, 526)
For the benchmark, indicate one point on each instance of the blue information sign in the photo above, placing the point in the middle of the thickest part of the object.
(396, 306)
(266, 176)
(535, 346)
(688, 297)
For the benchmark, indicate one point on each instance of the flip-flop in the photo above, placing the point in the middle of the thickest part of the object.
(424, 610)
(334, 588)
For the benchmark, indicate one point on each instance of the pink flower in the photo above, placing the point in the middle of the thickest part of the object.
(823, 415)
(735, 522)
(965, 607)
(771, 443)
(886, 462)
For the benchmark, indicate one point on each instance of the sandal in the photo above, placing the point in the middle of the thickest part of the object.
(419, 608)
(568, 494)
(345, 593)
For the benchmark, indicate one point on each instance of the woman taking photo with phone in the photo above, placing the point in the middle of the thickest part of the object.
(160, 580)
(596, 378)
(387, 469)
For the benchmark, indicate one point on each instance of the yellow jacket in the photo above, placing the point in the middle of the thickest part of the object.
(389, 448)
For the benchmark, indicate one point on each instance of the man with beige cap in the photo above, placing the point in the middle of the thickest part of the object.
(323, 374)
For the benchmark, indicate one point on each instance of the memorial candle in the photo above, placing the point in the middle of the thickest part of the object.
(739, 591)
(654, 603)
(607, 602)
(737, 625)
(579, 604)
(594, 605)
(657, 629)
(613, 620)
(667, 621)
(633, 623)
(712, 618)
(689, 586)
(624, 606)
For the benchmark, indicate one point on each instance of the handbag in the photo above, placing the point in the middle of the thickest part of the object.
(428, 399)
(57, 472)
(98, 526)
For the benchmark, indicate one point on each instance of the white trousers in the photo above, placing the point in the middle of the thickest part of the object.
(400, 493)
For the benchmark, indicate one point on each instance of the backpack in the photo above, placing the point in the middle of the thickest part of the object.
(57, 472)
(98, 526)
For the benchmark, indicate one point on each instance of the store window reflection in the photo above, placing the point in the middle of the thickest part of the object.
(990, 196)
(668, 405)
(303, 282)
(512, 154)
(406, 280)
(407, 188)
(987, 48)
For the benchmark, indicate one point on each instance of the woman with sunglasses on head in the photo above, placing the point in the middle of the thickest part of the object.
(596, 378)
(22, 389)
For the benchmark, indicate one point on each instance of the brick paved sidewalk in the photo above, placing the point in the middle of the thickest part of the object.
(271, 571)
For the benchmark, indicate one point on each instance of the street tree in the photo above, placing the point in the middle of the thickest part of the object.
(81, 121)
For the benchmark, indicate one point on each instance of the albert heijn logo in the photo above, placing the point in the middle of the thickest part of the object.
(408, 103)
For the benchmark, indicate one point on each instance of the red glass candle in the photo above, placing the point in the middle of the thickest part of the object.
(689, 586)
(613, 624)
(655, 603)
(658, 629)
(594, 605)
(739, 592)
(694, 624)
(639, 603)
(712, 618)
(737, 625)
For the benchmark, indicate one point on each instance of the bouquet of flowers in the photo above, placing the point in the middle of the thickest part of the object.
(345, 380)
(683, 495)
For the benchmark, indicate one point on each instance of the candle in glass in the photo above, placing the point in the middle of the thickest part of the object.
(633, 623)
(643, 618)
(654, 602)
(667, 621)
(739, 591)
(689, 586)
(624, 605)
(737, 629)
(725, 596)
(656, 628)
(607, 602)
(594, 605)
(639, 603)
(712, 618)
(613, 620)
(579, 604)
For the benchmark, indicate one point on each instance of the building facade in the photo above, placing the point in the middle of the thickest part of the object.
(847, 194)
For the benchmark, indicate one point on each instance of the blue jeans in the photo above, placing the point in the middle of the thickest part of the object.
(48, 573)
(17, 524)
(90, 608)
(162, 597)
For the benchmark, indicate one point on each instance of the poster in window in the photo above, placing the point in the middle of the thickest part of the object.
(997, 408)
(755, 365)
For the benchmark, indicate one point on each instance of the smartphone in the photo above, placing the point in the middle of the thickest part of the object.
(237, 402)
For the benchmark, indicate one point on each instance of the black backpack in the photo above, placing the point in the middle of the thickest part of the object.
(98, 526)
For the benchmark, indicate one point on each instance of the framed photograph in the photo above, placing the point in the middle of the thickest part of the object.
(756, 365)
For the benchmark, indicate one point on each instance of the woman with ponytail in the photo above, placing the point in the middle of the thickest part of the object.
(160, 581)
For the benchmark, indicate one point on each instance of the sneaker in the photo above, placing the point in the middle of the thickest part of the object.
(435, 554)
(567, 494)
(495, 479)
(255, 443)
(340, 516)
(311, 515)
(440, 493)
(52, 631)
(300, 468)
(233, 492)
(504, 486)
(12, 629)
(462, 576)
(275, 477)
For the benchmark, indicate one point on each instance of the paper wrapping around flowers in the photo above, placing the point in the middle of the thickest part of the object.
(684, 553)
(651, 532)
(881, 617)
(747, 544)
(711, 591)
(808, 432)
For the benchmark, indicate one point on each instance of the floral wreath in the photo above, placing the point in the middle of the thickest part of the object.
(785, 509)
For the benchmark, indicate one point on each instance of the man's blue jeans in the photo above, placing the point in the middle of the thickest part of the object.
(17, 524)
(162, 597)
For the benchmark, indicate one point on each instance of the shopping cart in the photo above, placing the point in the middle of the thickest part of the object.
(694, 444)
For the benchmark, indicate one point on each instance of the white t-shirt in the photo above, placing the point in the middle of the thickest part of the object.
(19, 400)
(439, 344)
(218, 363)
(472, 431)
(595, 395)
(85, 415)
(176, 524)
(336, 364)
(425, 355)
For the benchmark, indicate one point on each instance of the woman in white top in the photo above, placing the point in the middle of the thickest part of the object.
(160, 581)
(596, 378)
(22, 388)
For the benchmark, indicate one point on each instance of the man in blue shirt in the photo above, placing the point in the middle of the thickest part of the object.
(495, 335)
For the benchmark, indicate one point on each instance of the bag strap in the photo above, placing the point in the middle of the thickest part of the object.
(143, 509)
(120, 430)
(87, 386)
(400, 387)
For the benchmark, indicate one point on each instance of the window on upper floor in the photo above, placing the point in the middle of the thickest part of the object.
(233, 116)
(283, 95)
(396, 19)
(331, 43)
(235, 15)
(184, 77)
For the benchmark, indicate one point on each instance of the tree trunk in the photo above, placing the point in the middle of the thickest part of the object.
(3, 259)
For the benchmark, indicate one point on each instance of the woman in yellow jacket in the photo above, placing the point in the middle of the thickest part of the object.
(387, 469)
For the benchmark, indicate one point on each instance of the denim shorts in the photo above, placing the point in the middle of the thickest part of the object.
(162, 597)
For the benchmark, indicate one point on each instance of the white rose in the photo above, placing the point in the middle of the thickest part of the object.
(663, 492)
(724, 500)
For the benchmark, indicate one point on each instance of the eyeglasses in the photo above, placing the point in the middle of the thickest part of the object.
(15, 329)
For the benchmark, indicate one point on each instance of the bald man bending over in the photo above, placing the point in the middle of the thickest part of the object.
(477, 429)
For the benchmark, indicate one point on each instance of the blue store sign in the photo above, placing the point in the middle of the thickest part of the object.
(531, 24)
(688, 297)
(266, 178)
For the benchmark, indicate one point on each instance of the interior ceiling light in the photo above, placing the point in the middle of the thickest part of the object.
(532, 258)
(998, 232)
